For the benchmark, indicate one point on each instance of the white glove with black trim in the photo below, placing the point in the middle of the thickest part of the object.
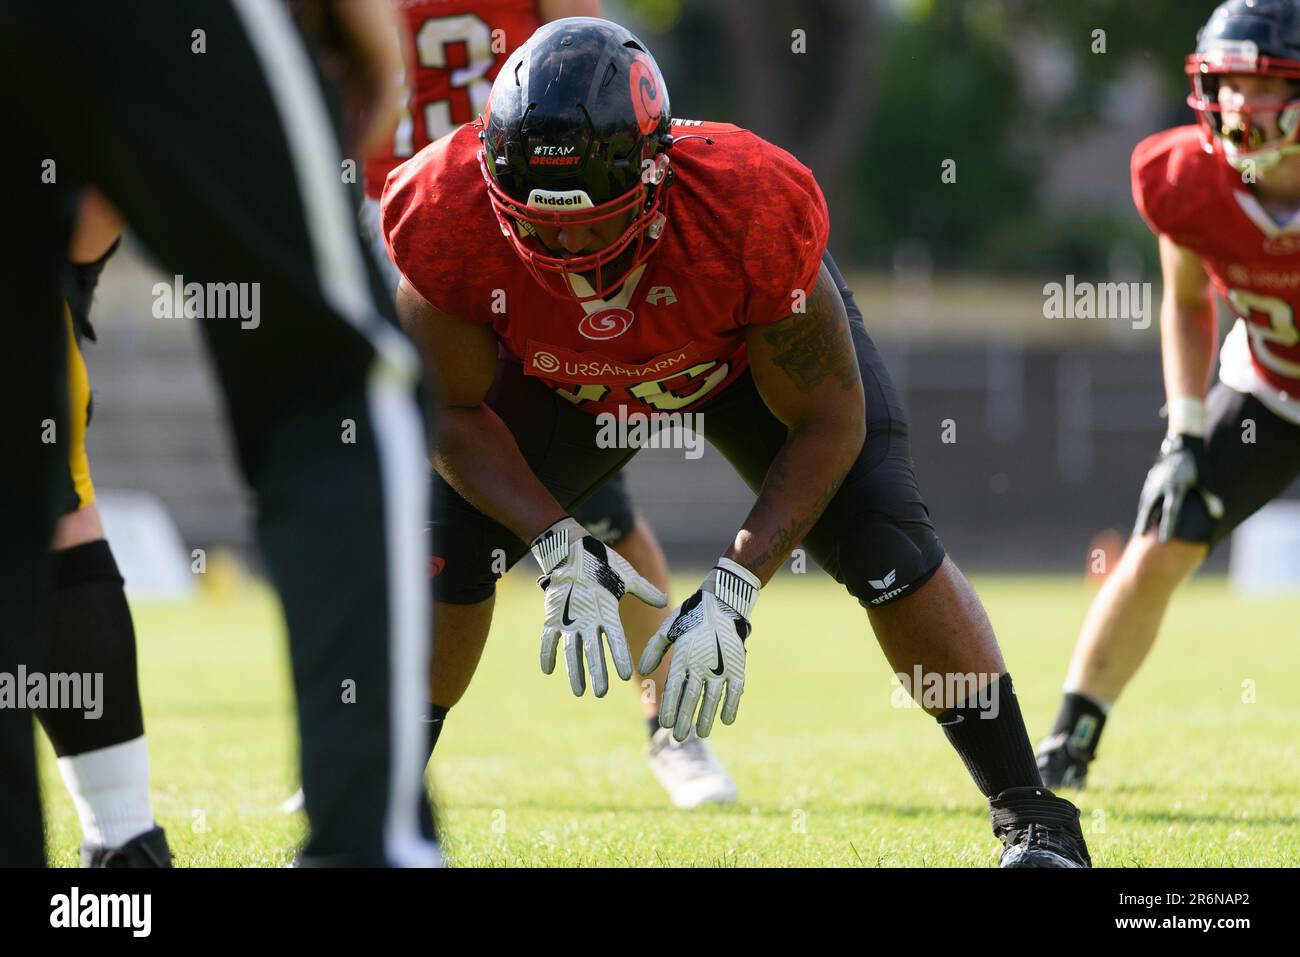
(583, 581)
(708, 631)
(1179, 470)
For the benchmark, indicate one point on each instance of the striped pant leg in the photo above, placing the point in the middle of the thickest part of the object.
(226, 162)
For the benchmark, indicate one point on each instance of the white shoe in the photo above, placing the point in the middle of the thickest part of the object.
(689, 771)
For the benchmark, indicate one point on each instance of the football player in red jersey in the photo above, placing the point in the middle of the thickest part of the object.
(454, 49)
(576, 252)
(1223, 197)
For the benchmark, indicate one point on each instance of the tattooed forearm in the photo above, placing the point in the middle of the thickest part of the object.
(812, 347)
(806, 370)
(800, 483)
(787, 538)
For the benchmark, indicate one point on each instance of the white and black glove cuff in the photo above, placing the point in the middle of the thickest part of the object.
(734, 585)
(554, 544)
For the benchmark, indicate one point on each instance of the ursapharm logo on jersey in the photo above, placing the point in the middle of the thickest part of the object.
(566, 365)
(1285, 279)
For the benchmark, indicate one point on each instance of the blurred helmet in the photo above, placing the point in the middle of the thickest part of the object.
(1250, 37)
(574, 136)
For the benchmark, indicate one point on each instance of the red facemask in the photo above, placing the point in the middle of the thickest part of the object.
(1243, 142)
(605, 269)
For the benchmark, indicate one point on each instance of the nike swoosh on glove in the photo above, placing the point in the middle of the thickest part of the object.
(707, 633)
(1179, 470)
(583, 582)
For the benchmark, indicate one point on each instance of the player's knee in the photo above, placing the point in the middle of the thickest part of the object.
(462, 569)
(883, 561)
(460, 634)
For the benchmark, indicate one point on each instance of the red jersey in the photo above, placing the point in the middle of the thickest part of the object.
(453, 51)
(744, 238)
(1201, 203)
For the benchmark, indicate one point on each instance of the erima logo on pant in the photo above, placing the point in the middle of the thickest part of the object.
(884, 583)
(103, 910)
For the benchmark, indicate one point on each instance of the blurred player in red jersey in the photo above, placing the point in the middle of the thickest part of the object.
(578, 252)
(1223, 197)
(454, 49)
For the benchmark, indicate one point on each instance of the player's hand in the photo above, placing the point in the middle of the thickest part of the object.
(708, 631)
(583, 581)
(1178, 472)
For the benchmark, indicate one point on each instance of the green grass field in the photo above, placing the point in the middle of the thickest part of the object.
(830, 773)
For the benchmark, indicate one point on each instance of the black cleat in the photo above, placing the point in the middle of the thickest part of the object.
(1062, 764)
(145, 850)
(1038, 829)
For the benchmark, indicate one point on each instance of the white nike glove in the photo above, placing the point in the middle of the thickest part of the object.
(583, 581)
(709, 631)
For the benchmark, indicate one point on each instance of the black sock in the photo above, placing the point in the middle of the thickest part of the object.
(992, 741)
(652, 724)
(89, 631)
(434, 717)
(1081, 719)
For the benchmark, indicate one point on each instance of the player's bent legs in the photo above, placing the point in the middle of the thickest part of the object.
(104, 759)
(688, 771)
(942, 633)
(460, 635)
(941, 629)
(1124, 618)
(876, 538)
(461, 629)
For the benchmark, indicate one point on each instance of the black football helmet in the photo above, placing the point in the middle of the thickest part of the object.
(1256, 37)
(575, 134)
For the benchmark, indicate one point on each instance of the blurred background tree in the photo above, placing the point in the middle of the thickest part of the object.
(1039, 103)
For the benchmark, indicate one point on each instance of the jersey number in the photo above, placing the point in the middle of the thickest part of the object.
(1277, 329)
(660, 394)
(469, 88)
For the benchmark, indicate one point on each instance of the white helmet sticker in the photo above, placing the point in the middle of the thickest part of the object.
(1234, 54)
(559, 199)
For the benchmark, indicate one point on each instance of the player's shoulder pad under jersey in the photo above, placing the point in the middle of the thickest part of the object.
(440, 230)
(1177, 184)
(748, 208)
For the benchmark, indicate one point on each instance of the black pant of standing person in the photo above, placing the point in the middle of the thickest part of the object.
(212, 129)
